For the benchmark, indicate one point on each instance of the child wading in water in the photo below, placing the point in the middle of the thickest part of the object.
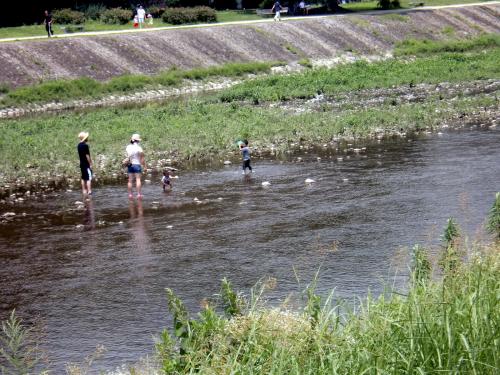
(166, 181)
(245, 152)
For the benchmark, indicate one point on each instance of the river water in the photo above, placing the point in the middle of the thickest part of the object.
(97, 274)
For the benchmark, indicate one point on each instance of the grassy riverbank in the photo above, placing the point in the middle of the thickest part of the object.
(36, 151)
(447, 323)
(42, 149)
(439, 67)
(86, 88)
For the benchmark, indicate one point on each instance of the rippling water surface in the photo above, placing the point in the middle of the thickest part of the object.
(104, 283)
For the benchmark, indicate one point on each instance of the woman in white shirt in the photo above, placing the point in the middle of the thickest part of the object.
(136, 166)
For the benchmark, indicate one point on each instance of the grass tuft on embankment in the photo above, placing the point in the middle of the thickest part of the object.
(83, 88)
(419, 47)
(443, 67)
(446, 324)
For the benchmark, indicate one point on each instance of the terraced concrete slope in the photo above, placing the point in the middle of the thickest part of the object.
(103, 57)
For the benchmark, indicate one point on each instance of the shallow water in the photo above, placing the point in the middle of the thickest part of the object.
(104, 283)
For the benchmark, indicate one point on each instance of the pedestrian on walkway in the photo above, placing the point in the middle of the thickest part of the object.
(277, 9)
(48, 23)
(141, 13)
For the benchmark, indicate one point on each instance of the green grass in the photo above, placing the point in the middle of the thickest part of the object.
(89, 88)
(232, 16)
(427, 47)
(373, 5)
(194, 130)
(90, 26)
(447, 325)
(452, 67)
(396, 17)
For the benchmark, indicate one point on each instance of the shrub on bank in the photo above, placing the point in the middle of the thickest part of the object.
(448, 325)
(68, 16)
(178, 16)
(155, 11)
(116, 16)
(94, 11)
(389, 4)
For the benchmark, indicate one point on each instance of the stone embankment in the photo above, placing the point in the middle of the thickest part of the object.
(106, 56)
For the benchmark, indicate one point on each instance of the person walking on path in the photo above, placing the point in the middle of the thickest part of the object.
(277, 9)
(136, 166)
(141, 13)
(85, 163)
(48, 23)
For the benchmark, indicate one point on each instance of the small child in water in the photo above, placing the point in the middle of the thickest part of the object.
(245, 152)
(166, 181)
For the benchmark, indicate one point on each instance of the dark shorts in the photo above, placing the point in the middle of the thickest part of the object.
(86, 173)
(134, 168)
(246, 164)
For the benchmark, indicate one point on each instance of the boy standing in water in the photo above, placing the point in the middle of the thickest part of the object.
(245, 152)
(85, 163)
(166, 181)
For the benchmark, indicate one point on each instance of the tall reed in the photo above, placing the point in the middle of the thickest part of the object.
(443, 325)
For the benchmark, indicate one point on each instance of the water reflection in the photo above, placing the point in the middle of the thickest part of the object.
(89, 217)
(138, 231)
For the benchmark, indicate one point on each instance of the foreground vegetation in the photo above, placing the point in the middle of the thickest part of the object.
(446, 321)
(447, 325)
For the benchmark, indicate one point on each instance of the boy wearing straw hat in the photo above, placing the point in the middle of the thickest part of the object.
(85, 163)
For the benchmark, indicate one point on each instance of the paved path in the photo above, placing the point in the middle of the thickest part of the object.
(284, 19)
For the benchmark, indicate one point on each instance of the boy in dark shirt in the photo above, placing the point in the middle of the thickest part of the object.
(85, 163)
(48, 23)
(245, 153)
